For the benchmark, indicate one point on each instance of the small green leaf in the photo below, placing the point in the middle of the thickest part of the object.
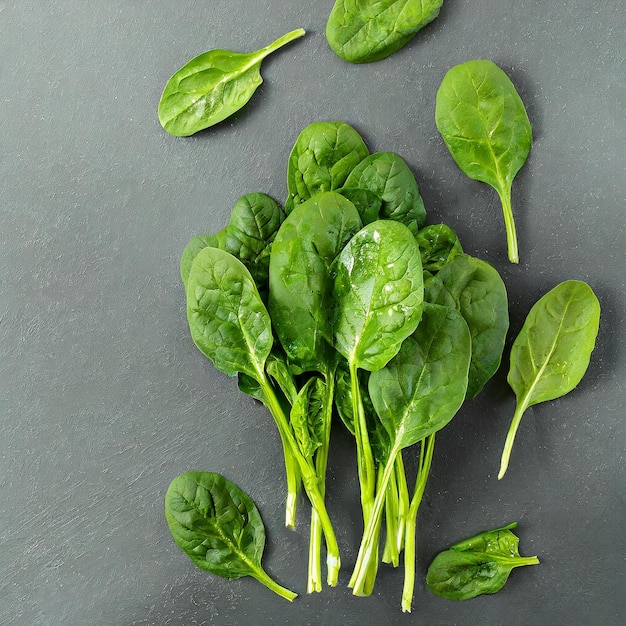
(213, 86)
(308, 417)
(551, 354)
(218, 527)
(438, 244)
(478, 565)
(484, 124)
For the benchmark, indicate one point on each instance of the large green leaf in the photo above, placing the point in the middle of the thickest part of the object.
(307, 243)
(362, 31)
(420, 390)
(378, 294)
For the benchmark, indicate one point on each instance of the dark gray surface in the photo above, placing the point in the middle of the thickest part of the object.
(103, 397)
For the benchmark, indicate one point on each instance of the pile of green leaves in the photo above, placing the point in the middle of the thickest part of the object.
(346, 303)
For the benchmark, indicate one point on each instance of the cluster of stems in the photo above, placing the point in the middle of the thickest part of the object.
(310, 474)
(385, 497)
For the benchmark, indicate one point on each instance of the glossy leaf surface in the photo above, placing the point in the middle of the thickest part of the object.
(362, 31)
(552, 351)
(551, 354)
(420, 390)
(478, 565)
(378, 294)
(213, 86)
(306, 245)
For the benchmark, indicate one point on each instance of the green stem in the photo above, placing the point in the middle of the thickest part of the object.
(314, 579)
(510, 437)
(309, 479)
(369, 541)
(281, 41)
(293, 486)
(390, 552)
(509, 223)
(426, 457)
(518, 561)
(262, 576)
(403, 501)
(365, 458)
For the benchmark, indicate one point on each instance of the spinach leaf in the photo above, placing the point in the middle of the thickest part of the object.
(307, 243)
(197, 243)
(551, 354)
(227, 318)
(231, 326)
(476, 566)
(387, 176)
(419, 391)
(213, 86)
(484, 124)
(307, 417)
(362, 31)
(438, 244)
(321, 159)
(218, 527)
(251, 229)
(378, 294)
(475, 289)
(253, 224)
(367, 203)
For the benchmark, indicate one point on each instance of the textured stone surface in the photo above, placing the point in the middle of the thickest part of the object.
(104, 398)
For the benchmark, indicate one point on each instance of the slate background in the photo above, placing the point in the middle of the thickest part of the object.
(104, 398)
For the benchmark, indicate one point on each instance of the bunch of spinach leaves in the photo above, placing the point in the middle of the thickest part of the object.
(345, 303)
